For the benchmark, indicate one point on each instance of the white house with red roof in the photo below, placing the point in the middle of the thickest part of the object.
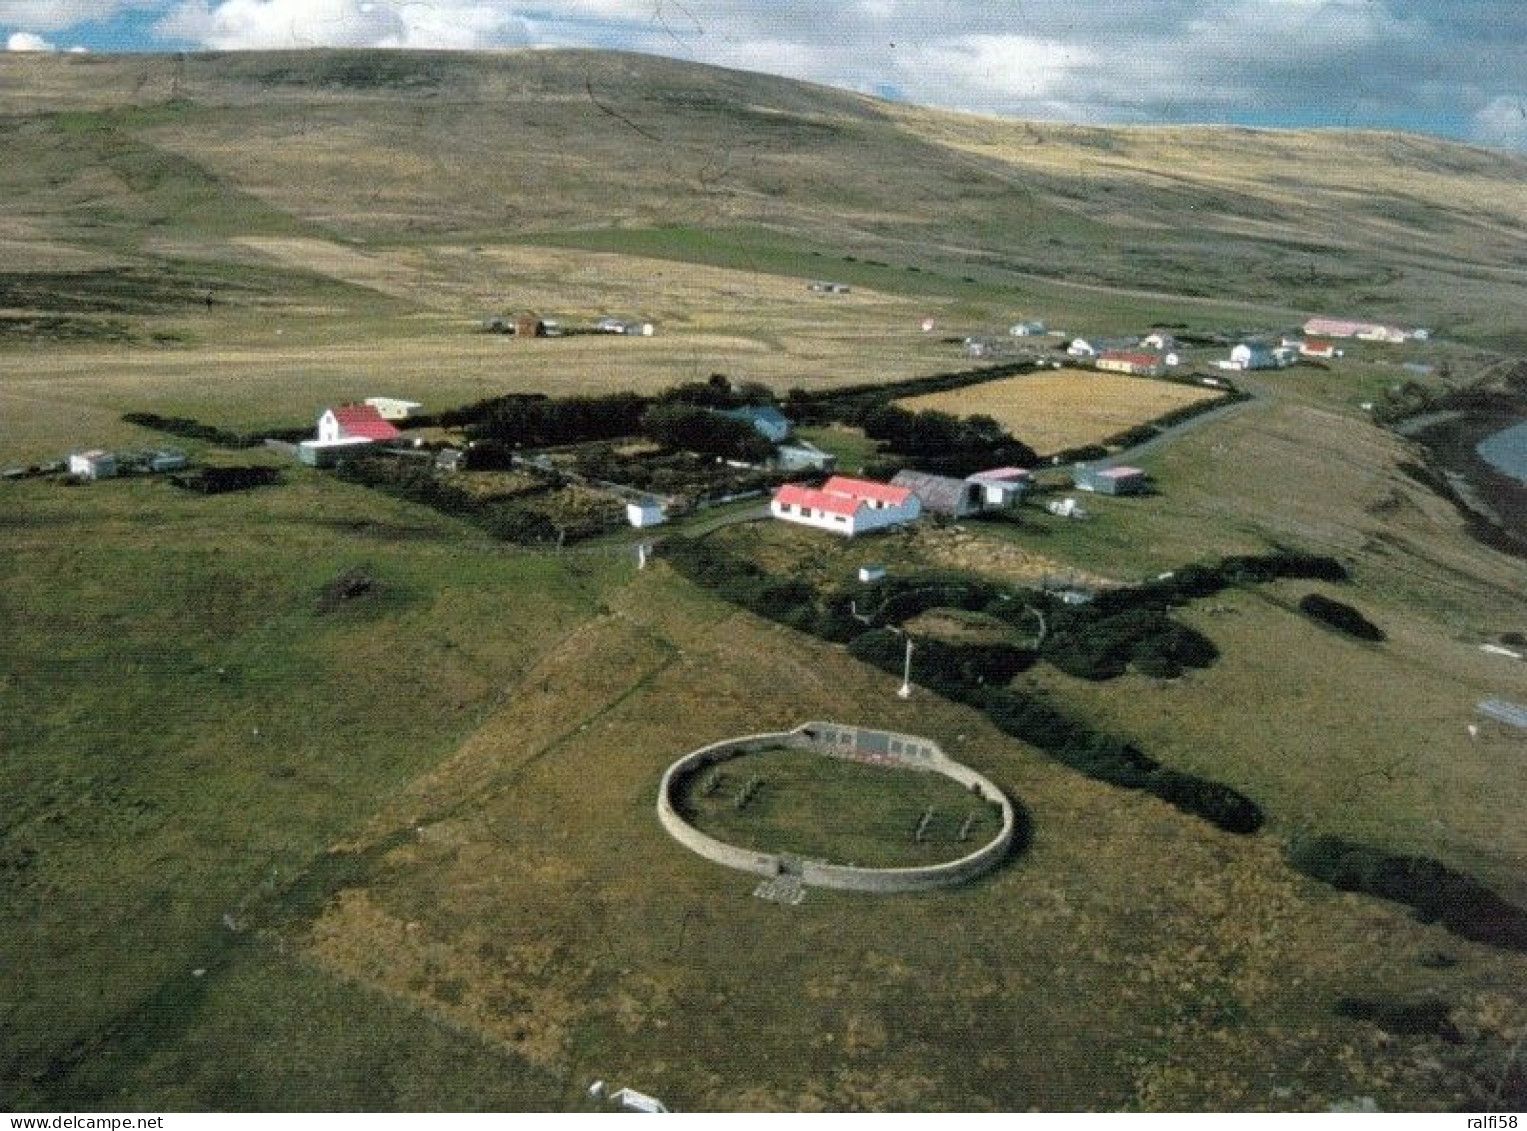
(355, 422)
(846, 506)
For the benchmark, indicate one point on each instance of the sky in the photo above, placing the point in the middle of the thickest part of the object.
(1457, 68)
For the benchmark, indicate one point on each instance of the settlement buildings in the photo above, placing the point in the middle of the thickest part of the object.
(1133, 362)
(1111, 480)
(846, 506)
(942, 494)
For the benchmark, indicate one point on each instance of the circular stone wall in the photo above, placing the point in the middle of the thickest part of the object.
(834, 740)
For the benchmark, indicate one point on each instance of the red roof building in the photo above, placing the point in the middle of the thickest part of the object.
(1127, 361)
(355, 422)
(846, 506)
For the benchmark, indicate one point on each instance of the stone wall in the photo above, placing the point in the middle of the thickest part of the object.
(897, 751)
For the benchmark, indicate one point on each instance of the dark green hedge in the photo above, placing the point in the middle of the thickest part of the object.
(222, 437)
(1343, 618)
(1437, 893)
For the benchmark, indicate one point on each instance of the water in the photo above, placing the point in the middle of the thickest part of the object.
(1507, 451)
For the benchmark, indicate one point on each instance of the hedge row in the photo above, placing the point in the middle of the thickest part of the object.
(219, 480)
(975, 674)
(1437, 893)
(222, 437)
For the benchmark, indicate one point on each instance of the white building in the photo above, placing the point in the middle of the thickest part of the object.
(1026, 329)
(1252, 355)
(94, 464)
(648, 512)
(1002, 486)
(391, 408)
(846, 506)
(1081, 347)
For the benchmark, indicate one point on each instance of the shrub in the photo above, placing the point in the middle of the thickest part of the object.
(1343, 618)
(1429, 1018)
(1436, 892)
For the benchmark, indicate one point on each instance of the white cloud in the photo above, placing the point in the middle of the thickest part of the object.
(234, 25)
(1502, 122)
(26, 41)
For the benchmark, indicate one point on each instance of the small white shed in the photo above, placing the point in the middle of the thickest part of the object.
(647, 512)
(94, 464)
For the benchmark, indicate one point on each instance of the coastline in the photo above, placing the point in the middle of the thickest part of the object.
(1493, 503)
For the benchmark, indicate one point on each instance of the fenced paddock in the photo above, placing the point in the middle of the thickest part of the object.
(899, 753)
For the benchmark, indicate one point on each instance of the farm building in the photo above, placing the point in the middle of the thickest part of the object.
(450, 459)
(393, 408)
(164, 460)
(1081, 347)
(767, 420)
(1367, 331)
(941, 494)
(529, 326)
(94, 464)
(825, 288)
(326, 453)
(1026, 329)
(354, 422)
(619, 326)
(646, 512)
(1318, 347)
(1128, 361)
(803, 455)
(1252, 355)
(1160, 341)
(1002, 486)
(846, 506)
(1111, 480)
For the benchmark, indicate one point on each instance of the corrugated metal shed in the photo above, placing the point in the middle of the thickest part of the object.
(1512, 714)
(941, 494)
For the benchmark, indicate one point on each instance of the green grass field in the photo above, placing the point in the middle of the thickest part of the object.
(836, 810)
(260, 849)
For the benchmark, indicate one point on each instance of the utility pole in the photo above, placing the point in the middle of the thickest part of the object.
(905, 691)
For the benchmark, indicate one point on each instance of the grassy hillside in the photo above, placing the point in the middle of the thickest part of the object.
(263, 848)
(171, 154)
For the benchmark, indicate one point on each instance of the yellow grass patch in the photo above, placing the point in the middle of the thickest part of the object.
(1066, 408)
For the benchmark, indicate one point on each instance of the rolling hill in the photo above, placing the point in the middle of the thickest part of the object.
(171, 158)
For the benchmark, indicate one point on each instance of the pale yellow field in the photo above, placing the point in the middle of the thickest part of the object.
(1066, 408)
(270, 365)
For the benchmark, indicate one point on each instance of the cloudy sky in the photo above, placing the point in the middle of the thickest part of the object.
(1451, 67)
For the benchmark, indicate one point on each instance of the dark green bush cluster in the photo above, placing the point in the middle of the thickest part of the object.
(535, 420)
(1343, 618)
(1436, 892)
(217, 480)
(1091, 643)
(962, 672)
(1034, 720)
(222, 437)
(1427, 1018)
(975, 674)
(790, 601)
(942, 443)
(696, 429)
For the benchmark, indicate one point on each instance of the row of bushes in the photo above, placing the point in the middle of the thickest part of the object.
(978, 675)
(975, 674)
(211, 434)
(848, 404)
(537, 420)
(945, 444)
(1437, 893)
(219, 480)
